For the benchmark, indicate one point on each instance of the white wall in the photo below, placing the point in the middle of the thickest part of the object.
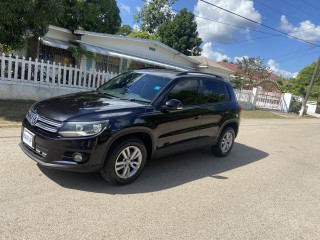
(32, 92)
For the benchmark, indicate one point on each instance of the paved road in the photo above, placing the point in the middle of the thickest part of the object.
(268, 188)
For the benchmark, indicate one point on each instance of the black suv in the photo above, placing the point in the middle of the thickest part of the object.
(136, 116)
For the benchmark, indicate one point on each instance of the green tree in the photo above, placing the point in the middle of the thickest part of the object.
(28, 18)
(153, 14)
(144, 35)
(125, 30)
(250, 72)
(301, 83)
(101, 16)
(181, 33)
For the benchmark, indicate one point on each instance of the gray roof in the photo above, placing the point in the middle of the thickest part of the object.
(81, 32)
(206, 62)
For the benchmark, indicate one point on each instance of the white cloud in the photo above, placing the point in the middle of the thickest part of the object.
(275, 67)
(235, 59)
(211, 31)
(285, 25)
(305, 30)
(215, 56)
(125, 9)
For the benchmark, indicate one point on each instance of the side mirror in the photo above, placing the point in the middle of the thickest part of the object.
(172, 104)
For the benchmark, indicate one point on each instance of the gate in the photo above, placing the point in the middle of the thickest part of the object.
(268, 100)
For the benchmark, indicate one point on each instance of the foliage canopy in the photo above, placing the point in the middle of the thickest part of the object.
(101, 16)
(181, 33)
(299, 85)
(28, 18)
(250, 72)
(153, 14)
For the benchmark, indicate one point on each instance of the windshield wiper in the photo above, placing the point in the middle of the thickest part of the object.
(135, 100)
(107, 94)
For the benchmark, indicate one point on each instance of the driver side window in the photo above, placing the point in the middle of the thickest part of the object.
(186, 91)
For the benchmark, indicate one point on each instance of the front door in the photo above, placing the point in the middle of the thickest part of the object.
(178, 130)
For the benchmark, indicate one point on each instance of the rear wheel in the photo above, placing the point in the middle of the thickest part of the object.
(225, 143)
(125, 162)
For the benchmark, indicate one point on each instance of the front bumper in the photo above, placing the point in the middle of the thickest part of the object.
(55, 152)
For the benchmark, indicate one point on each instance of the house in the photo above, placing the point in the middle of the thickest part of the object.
(208, 66)
(233, 68)
(111, 53)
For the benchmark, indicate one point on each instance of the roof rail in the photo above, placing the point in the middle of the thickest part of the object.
(194, 72)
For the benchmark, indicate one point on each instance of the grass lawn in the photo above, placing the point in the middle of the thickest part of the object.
(266, 114)
(13, 111)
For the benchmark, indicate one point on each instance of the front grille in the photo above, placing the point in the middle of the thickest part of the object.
(43, 123)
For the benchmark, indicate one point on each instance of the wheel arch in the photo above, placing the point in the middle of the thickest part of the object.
(142, 134)
(233, 124)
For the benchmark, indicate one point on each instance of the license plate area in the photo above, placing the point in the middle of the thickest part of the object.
(28, 138)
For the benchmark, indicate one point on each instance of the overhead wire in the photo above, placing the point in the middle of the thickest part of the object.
(295, 57)
(277, 10)
(300, 9)
(261, 24)
(311, 5)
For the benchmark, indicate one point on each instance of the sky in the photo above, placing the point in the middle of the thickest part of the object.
(284, 33)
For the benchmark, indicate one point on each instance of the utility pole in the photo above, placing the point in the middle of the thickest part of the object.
(304, 102)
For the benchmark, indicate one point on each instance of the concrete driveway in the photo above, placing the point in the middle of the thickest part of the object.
(267, 188)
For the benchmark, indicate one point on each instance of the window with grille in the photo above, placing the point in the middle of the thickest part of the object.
(107, 63)
(54, 54)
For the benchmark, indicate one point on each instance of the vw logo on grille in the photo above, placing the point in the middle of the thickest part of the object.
(34, 119)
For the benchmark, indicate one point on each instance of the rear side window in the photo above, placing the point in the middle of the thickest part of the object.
(213, 91)
(186, 91)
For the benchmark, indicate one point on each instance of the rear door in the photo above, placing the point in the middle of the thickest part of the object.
(214, 100)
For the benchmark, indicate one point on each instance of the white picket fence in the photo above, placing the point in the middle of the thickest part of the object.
(22, 70)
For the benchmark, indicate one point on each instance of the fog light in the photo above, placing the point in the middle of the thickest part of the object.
(79, 157)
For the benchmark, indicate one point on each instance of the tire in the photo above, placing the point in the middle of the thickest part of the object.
(225, 143)
(125, 162)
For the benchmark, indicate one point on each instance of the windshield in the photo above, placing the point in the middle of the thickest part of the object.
(134, 86)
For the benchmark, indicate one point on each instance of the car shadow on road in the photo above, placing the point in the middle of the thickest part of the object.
(163, 173)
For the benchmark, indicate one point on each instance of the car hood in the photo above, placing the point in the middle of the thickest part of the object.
(80, 105)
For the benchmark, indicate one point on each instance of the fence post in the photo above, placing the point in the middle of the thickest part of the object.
(59, 74)
(64, 75)
(53, 82)
(103, 80)
(75, 76)
(255, 92)
(29, 69)
(79, 77)
(3, 65)
(41, 72)
(16, 64)
(285, 102)
(90, 75)
(23, 68)
(36, 63)
(10, 68)
(47, 72)
(70, 75)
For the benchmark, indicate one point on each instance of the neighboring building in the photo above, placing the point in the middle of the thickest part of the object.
(208, 66)
(230, 66)
(112, 53)
(233, 67)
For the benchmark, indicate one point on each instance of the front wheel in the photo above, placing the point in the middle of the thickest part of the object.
(125, 162)
(225, 143)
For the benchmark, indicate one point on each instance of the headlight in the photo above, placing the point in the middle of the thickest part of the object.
(82, 129)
